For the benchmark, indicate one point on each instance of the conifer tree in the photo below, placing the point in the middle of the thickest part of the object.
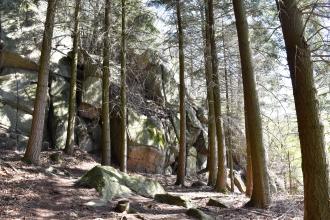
(33, 148)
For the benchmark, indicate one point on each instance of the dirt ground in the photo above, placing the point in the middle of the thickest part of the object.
(47, 191)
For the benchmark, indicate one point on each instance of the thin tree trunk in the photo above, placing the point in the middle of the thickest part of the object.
(123, 147)
(313, 151)
(33, 149)
(212, 157)
(106, 142)
(182, 148)
(260, 195)
(221, 183)
(69, 145)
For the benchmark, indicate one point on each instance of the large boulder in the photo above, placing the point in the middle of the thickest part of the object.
(191, 162)
(157, 81)
(17, 94)
(145, 130)
(83, 137)
(111, 183)
(145, 159)
(59, 94)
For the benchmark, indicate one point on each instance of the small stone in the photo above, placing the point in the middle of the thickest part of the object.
(73, 215)
(173, 200)
(96, 203)
(216, 203)
(122, 206)
(198, 214)
(56, 157)
(198, 184)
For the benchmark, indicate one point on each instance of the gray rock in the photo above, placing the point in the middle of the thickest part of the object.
(122, 206)
(59, 90)
(198, 214)
(111, 183)
(145, 159)
(198, 184)
(191, 162)
(216, 203)
(173, 200)
(17, 94)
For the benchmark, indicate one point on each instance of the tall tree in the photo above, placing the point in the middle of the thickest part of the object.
(106, 142)
(228, 114)
(33, 148)
(260, 195)
(69, 145)
(314, 161)
(211, 163)
(182, 148)
(123, 147)
(222, 173)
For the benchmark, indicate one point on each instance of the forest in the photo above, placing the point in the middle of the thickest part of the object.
(164, 109)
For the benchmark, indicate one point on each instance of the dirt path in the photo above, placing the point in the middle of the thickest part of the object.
(48, 192)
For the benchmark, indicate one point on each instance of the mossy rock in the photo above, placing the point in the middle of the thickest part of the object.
(173, 200)
(198, 214)
(111, 183)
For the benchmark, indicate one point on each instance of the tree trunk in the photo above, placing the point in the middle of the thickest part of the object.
(123, 147)
(249, 172)
(222, 173)
(314, 161)
(228, 134)
(182, 148)
(69, 145)
(33, 148)
(105, 115)
(212, 157)
(260, 195)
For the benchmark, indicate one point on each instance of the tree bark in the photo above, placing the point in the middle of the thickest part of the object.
(313, 151)
(182, 148)
(123, 147)
(105, 115)
(260, 195)
(212, 157)
(221, 183)
(228, 134)
(249, 172)
(69, 145)
(33, 148)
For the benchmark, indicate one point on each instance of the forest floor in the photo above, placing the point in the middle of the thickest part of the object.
(47, 191)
